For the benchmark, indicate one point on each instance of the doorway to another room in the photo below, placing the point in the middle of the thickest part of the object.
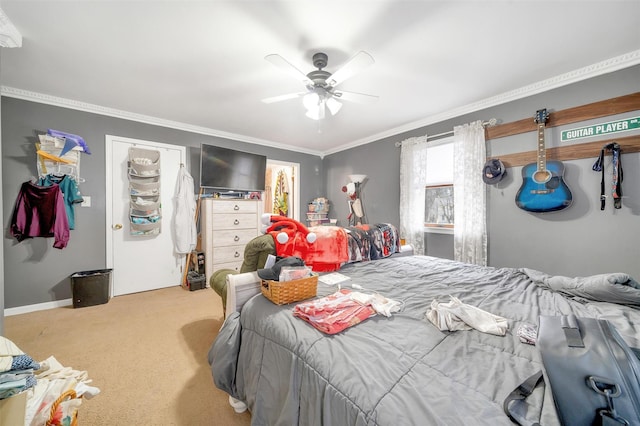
(282, 189)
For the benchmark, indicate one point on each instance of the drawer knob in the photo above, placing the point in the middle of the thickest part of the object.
(236, 207)
(236, 222)
(237, 254)
(236, 238)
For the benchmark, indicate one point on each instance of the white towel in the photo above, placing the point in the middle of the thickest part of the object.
(8, 350)
(455, 315)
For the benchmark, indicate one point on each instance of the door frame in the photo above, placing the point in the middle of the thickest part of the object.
(109, 139)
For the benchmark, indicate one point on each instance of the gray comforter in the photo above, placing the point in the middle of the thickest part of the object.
(401, 370)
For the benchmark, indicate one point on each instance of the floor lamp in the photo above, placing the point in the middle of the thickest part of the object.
(357, 215)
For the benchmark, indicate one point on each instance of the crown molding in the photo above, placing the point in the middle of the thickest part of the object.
(42, 98)
(600, 68)
(9, 34)
(607, 66)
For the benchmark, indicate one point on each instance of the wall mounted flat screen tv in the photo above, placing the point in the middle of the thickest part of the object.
(231, 170)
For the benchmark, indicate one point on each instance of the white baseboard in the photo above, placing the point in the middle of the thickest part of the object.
(39, 307)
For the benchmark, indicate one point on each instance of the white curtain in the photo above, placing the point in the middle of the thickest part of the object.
(413, 178)
(469, 194)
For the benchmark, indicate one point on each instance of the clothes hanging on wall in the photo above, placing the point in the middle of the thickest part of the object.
(185, 225)
(40, 212)
(281, 196)
(52, 157)
(70, 194)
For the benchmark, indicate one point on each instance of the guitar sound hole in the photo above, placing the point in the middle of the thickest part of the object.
(541, 176)
(553, 183)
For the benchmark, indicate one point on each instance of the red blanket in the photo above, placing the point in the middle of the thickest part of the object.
(327, 253)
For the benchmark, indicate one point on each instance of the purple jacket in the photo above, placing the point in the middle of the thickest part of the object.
(40, 212)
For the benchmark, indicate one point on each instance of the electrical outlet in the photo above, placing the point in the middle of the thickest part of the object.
(86, 202)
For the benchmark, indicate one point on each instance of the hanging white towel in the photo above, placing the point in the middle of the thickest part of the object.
(455, 315)
(185, 223)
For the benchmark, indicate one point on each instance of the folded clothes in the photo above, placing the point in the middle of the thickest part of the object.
(382, 305)
(333, 313)
(455, 315)
(8, 350)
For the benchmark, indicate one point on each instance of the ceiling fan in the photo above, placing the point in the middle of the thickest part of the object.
(321, 93)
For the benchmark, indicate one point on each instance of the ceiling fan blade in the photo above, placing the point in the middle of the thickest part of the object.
(357, 63)
(283, 97)
(287, 67)
(361, 98)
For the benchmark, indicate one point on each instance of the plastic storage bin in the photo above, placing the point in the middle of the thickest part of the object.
(90, 288)
(196, 281)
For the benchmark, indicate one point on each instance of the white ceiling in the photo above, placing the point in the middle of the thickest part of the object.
(200, 65)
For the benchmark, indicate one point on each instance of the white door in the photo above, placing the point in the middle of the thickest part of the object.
(141, 263)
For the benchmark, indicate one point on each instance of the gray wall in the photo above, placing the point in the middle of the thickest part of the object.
(35, 272)
(578, 241)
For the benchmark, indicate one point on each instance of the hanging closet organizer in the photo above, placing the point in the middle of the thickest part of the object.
(145, 216)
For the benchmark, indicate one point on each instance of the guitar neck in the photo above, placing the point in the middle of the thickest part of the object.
(542, 152)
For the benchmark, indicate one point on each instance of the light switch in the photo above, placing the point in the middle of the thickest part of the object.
(86, 202)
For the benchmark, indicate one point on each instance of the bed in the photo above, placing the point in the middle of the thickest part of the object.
(403, 370)
(334, 246)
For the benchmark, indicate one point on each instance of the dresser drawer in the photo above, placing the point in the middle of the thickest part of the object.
(228, 254)
(233, 206)
(228, 265)
(233, 237)
(234, 221)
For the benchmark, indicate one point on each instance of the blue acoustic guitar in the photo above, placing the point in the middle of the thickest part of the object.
(543, 188)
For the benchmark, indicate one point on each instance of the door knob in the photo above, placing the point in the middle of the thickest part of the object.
(117, 226)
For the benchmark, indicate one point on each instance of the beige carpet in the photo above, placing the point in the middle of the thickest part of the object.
(147, 352)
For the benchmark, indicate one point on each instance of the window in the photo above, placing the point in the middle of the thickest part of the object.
(439, 206)
(439, 187)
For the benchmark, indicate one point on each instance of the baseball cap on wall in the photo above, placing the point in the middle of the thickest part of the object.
(493, 171)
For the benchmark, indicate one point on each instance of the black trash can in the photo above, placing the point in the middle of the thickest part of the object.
(90, 288)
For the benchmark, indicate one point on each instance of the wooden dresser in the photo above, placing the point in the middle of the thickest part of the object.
(226, 226)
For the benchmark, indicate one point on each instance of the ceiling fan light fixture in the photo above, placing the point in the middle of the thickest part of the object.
(333, 105)
(321, 84)
(311, 101)
(313, 113)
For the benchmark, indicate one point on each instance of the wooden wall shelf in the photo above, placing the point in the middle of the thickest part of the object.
(627, 144)
(619, 105)
(599, 109)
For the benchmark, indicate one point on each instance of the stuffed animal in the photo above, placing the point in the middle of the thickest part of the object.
(292, 237)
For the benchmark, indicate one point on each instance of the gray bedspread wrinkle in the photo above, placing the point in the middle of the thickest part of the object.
(223, 355)
(614, 287)
(402, 370)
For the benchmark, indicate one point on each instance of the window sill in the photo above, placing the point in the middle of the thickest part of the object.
(438, 230)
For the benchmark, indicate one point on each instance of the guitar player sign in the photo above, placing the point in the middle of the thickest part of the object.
(601, 129)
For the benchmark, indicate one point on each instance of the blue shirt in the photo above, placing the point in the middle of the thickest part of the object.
(70, 191)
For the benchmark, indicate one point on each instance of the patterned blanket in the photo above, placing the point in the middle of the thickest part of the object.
(335, 246)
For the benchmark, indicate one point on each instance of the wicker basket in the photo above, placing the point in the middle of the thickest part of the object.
(283, 292)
